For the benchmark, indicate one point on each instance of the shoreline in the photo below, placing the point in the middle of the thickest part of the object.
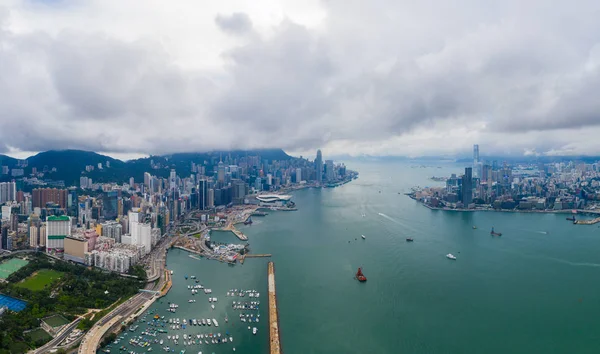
(569, 212)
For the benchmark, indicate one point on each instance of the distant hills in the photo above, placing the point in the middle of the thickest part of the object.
(70, 165)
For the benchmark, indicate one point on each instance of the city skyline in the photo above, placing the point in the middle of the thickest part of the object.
(413, 84)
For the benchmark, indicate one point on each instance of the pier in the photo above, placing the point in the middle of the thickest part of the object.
(243, 258)
(274, 343)
(235, 231)
(587, 222)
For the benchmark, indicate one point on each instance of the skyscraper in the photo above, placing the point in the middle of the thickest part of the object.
(221, 172)
(319, 167)
(298, 175)
(476, 173)
(109, 205)
(467, 187)
(202, 194)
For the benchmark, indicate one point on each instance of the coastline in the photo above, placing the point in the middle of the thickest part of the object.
(569, 212)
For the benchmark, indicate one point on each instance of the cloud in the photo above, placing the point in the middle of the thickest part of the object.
(383, 77)
(236, 23)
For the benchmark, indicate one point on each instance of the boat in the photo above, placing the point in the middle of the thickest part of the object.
(363, 237)
(254, 330)
(494, 233)
(474, 227)
(215, 322)
(409, 239)
(360, 276)
(451, 256)
(171, 272)
(248, 221)
(572, 218)
(212, 307)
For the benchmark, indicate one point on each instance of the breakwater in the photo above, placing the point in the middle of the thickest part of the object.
(274, 343)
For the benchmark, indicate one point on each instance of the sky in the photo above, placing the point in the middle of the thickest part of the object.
(379, 77)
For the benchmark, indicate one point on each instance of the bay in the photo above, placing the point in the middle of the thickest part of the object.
(532, 290)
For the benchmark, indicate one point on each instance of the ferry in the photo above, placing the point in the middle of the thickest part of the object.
(360, 276)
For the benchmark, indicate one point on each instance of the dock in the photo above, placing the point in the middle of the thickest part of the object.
(274, 343)
(243, 257)
(587, 222)
(235, 231)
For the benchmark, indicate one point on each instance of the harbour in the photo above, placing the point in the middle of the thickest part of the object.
(532, 275)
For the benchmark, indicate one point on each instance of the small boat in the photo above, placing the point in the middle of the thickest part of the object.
(363, 237)
(215, 322)
(360, 276)
(212, 307)
(474, 227)
(493, 233)
(171, 272)
(254, 330)
(451, 256)
(572, 218)
(409, 239)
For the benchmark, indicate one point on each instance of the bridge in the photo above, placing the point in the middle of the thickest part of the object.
(149, 291)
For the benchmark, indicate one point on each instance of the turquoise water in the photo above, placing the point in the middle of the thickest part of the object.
(533, 290)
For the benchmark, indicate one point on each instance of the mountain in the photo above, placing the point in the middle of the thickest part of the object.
(70, 165)
(8, 161)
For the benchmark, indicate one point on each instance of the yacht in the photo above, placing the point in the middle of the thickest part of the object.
(215, 322)
(451, 256)
(212, 306)
(254, 330)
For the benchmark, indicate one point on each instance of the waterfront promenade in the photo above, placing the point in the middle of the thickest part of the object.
(274, 343)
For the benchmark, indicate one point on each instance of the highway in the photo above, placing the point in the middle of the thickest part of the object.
(155, 261)
(58, 339)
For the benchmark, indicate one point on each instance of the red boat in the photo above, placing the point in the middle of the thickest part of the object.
(360, 276)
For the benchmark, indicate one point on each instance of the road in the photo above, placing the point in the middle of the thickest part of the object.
(58, 339)
(156, 262)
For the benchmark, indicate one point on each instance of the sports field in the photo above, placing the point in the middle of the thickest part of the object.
(56, 321)
(40, 279)
(38, 334)
(11, 266)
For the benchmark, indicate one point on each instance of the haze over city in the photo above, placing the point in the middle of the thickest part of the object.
(349, 77)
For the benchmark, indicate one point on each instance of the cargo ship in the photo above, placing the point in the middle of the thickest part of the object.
(360, 276)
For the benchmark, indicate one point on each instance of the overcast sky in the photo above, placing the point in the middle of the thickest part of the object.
(378, 77)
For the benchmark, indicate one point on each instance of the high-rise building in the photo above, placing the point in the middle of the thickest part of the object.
(211, 198)
(42, 196)
(319, 167)
(476, 173)
(57, 228)
(202, 194)
(467, 187)
(147, 178)
(110, 205)
(173, 179)
(329, 170)
(298, 175)
(8, 192)
(34, 241)
(221, 172)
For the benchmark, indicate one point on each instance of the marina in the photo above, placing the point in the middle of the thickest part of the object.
(183, 320)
